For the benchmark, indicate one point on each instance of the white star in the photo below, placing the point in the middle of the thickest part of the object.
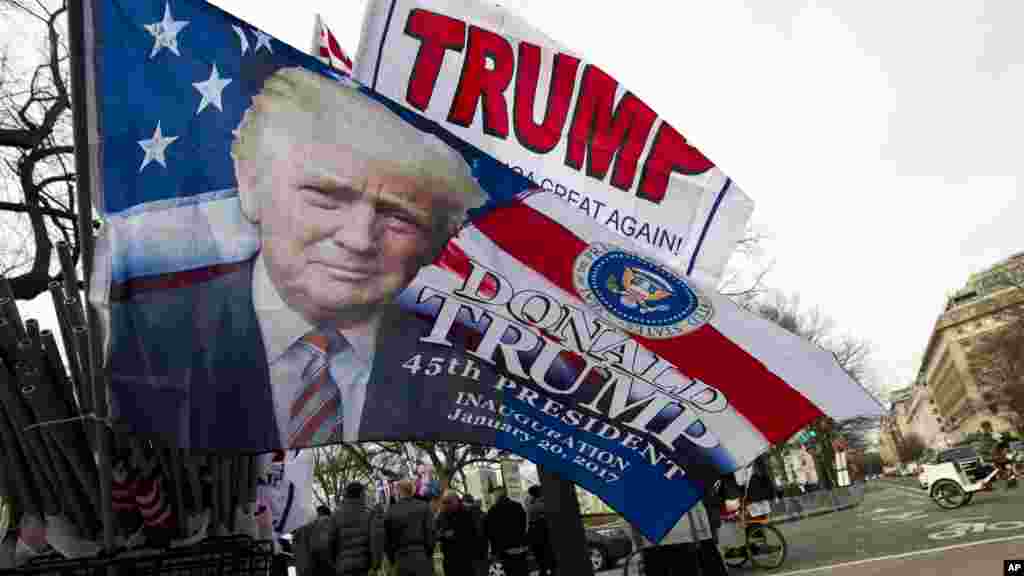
(155, 148)
(165, 32)
(241, 37)
(211, 90)
(262, 39)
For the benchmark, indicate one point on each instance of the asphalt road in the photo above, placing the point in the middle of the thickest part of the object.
(898, 530)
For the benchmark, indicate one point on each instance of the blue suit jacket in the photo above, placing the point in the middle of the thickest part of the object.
(188, 362)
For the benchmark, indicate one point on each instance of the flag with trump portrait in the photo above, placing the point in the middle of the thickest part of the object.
(290, 258)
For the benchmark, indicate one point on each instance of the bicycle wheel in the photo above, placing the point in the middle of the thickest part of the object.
(766, 546)
(735, 556)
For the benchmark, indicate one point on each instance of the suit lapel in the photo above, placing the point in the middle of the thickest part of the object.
(235, 407)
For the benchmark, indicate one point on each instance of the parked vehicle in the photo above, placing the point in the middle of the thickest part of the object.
(606, 545)
(955, 475)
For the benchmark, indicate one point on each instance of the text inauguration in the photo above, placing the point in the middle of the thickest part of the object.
(638, 389)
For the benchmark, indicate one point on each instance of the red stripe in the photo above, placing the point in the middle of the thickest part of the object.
(314, 423)
(772, 406)
(455, 260)
(171, 281)
(336, 48)
(300, 402)
(159, 520)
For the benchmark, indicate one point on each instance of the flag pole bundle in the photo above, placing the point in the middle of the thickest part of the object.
(50, 481)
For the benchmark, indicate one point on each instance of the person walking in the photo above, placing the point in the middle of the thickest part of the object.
(537, 532)
(409, 533)
(505, 525)
(458, 536)
(313, 545)
(480, 548)
(358, 534)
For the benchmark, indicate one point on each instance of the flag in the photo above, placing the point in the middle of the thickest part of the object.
(327, 49)
(570, 127)
(715, 385)
(577, 348)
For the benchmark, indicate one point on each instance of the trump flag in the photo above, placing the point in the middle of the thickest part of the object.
(567, 125)
(290, 259)
(566, 344)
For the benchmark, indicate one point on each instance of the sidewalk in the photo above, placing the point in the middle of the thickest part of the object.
(816, 503)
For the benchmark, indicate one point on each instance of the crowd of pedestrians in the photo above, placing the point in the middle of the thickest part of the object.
(401, 538)
(355, 539)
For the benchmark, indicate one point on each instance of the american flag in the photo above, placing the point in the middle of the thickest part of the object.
(172, 80)
(327, 48)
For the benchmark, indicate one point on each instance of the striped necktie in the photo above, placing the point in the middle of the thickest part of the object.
(315, 415)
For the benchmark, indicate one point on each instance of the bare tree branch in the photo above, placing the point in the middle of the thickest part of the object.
(36, 148)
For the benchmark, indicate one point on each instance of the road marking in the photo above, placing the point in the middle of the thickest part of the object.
(960, 520)
(962, 529)
(898, 556)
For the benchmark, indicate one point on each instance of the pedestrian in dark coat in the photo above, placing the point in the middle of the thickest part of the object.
(312, 546)
(458, 536)
(358, 534)
(409, 533)
(481, 547)
(505, 525)
(537, 532)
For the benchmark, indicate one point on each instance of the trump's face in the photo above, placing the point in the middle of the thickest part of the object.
(341, 233)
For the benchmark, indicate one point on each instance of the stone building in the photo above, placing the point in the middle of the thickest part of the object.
(922, 418)
(894, 425)
(949, 369)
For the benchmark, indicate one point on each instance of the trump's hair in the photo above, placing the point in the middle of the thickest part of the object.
(293, 101)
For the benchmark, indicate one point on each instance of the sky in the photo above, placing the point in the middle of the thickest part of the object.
(879, 141)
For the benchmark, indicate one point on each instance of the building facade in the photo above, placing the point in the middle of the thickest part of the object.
(888, 437)
(922, 418)
(894, 425)
(949, 369)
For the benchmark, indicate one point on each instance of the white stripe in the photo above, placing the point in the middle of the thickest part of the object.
(734, 431)
(172, 236)
(831, 567)
(807, 368)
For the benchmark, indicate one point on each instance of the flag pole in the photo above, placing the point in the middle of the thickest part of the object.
(82, 52)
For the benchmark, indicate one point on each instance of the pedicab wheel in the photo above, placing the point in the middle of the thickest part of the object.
(766, 546)
(949, 495)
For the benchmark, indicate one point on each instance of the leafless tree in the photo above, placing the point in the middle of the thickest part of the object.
(334, 467)
(851, 353)
(451, 459)
(37, 194)
(743, 280)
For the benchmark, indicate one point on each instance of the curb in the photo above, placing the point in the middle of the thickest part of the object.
(819, 512)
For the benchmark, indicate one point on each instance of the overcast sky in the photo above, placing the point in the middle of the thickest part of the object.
(879, 140)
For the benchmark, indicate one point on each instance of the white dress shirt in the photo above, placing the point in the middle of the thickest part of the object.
(281, 327)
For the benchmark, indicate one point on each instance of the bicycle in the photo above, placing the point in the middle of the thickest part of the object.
(763, 544)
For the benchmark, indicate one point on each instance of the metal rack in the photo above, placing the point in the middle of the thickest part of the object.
(233, 556)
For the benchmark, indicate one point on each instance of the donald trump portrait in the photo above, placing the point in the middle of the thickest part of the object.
(350, 201)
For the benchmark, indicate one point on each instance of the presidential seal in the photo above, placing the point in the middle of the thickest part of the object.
(638, 295)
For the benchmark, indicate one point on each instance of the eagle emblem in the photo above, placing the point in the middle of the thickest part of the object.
(639, 290)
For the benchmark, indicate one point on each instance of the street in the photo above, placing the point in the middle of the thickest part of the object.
(894, 528)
